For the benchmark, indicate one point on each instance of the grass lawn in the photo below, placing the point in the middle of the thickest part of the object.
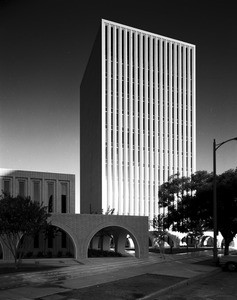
(179, 250)
(6, 268)
(32, 267)
(126, 289)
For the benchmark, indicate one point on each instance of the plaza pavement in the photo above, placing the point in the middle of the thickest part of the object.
(75, 275)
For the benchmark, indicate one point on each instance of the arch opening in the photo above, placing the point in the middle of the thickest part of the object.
(55, 243)
(112, 241)
(150, 242)
(207, 241)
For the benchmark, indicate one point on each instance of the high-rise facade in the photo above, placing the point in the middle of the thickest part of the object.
(138, 119)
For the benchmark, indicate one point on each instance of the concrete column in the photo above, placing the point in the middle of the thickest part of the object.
(136, 133)
(105, 243)
(95, 242)
(184, 107)
(170, 111)
(141, 134)
(28, 187)
(175, 110)
(161, 117)
(58, 197)
(115, 129)
(120, 239)
(151, 134)
(146, 162)
(166, 145)
(189, 128)
(120, 130)
(156, 129)
(180, 144)
(14, 186)
(131, 128)
(125, 118)
(109, 132)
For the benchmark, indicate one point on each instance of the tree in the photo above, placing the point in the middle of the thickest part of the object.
(109, 211)
(227, 206)
(190, 216)
(194, 210)
(176, 194)
(174, 189)
(20, 220)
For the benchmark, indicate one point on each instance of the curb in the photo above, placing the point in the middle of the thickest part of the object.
(180, 284)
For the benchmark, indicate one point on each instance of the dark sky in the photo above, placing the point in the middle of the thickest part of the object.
(45, 46)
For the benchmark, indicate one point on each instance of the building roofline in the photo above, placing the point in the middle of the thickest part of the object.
(104, 21)
(5, 172)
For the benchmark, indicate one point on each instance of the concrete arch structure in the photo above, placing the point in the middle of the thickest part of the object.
(68, 230)
(120, 235)
(82, 228)
(168, 238)
(207, 241)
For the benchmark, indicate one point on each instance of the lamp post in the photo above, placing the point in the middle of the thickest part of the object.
(215, 148)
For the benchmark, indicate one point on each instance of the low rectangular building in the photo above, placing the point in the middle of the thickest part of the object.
(54, 190)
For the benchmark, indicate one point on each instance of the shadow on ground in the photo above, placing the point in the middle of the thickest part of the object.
(25, 268)
(126, 289)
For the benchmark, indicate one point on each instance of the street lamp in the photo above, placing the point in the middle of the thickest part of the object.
(215, 148)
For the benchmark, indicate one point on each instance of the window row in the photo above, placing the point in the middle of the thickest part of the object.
(36, 192)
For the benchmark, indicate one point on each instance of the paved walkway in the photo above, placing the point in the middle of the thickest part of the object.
(94, 271)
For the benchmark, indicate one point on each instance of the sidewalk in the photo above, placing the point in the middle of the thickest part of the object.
(95, 271)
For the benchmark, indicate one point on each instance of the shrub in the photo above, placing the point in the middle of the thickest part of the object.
(49, 254)
(59, 254)
(29, 254)
(40, 254)
(69, 254)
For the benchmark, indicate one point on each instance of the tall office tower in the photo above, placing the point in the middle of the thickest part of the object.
(138, 119)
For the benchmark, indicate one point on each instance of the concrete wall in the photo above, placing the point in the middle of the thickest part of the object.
(82, 228)
(90, 134)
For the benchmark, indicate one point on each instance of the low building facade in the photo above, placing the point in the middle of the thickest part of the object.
(54, 190)
(75, 233)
